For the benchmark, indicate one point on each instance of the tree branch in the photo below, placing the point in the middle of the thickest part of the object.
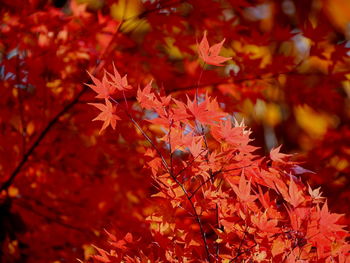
(70, 105)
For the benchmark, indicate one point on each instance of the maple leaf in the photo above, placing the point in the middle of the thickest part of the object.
(328, 221)
(295, 220)
(180, 112)
(145, 97)
(107, 115)
(103, 89)
(295, 197)
(265, 225)
(243, 190)
(121, 83)
(278, 247)
(276, 156)
(210, 55)
(120, 244)
(155, 165)
(128, 238)
(196, 147)
(233, 135)
(103, 257)
(203, 112)
(214, 109)
(316, 194)
(199, 110)
(110, 236)
(79, 9)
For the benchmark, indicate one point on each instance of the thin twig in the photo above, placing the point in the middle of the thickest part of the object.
(166, 166)
(50, 219)
(239, 252)
(188, 164)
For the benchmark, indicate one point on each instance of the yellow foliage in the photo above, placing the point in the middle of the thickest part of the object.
(53, 84)
(314, 63)
(125, 9)
(346, 86)
(92, 4)
(128, 11)
(339, 163)
(88, 251)
(13, 191)
(247, 107)
(312, 122)
(132, 198)
(156, 128)
(30, 128)
(273, 114)
(268, 113)
(256, 52)
(12, 246)
(338, 12)
(15, 92)
(173, 51)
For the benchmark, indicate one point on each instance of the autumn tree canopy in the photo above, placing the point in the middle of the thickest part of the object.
(192, 101)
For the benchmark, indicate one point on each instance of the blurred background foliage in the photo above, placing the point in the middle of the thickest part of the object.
(289, 79)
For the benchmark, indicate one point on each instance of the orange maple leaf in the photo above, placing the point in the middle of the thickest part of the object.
(277, 156)
(199, 110)
(103, 89)
(107, 115)
(233, 135)
(121, 83)
(196, 147)
(145, 97)
(328, 221)
(204, 112)
(264, 224)
(103, 257)
(210, 55)
(295, 197)
(243, 190)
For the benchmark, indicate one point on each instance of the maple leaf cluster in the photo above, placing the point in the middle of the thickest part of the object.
(104, 90)
(218, 201)
(62, 182)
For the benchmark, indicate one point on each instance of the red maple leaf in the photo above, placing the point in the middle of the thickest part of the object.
(277, 156)
(103, 257)
(328, 221)
(233, 135)
(145, 97)
(264, 224)
(243, 190)
(107, 115)
(295, 196)
(199, 110)
(210, 55)
(103, 89)
(121, 83)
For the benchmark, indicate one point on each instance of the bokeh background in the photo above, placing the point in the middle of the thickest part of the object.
(62, 183)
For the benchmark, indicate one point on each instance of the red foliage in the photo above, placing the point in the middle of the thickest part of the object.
(62, 183)
(217, 201)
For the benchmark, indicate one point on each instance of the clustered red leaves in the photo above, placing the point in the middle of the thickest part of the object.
(217, 200)
(104, 90)
(63, 183)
